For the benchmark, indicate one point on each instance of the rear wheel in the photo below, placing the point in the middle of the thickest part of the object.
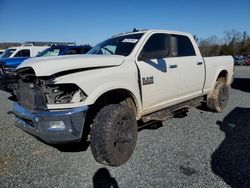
(218, 98)
(114, 134)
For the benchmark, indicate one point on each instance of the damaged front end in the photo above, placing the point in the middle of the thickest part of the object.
(33, 95)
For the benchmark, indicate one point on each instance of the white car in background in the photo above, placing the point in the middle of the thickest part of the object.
(22, 51)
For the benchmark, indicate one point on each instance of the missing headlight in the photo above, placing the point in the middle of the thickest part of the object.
(64, 93)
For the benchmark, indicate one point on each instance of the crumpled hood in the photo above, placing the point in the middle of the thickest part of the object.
(47, 66)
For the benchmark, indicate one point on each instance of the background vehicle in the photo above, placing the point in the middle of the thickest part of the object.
(1, 52)
(8, 65)
(247, 60)
(239, 60)
(22, 51)
(12, 57)
(147, 75)
(58, 50)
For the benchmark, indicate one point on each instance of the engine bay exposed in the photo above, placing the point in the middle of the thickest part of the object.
(37, 92)
(63, 93)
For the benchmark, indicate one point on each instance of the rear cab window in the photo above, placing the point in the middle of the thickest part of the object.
(182, 46)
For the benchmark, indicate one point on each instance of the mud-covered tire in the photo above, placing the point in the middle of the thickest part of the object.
(113, 134)
(218, 98)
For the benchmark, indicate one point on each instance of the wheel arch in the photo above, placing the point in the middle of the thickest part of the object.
(116, 95)
(221, 74)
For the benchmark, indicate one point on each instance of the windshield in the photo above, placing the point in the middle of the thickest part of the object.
(122, 45)
(7, 53)
(52, 51)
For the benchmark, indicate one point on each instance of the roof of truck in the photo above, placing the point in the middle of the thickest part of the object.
(151, 31)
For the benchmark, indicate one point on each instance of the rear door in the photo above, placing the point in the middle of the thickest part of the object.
(190, 66)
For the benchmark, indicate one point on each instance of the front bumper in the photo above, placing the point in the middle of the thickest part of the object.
(53, 127)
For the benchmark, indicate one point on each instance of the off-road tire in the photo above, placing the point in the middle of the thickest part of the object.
(113, 134)
(217, 99)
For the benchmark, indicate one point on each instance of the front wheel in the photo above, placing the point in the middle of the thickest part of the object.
(218, 98)
(113, 134)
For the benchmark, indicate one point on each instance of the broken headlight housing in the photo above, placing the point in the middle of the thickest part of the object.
(64, 94)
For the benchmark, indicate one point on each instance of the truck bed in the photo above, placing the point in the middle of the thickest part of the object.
(214, 64)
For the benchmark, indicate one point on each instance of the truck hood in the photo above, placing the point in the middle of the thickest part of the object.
(12, 62)
(47, 66)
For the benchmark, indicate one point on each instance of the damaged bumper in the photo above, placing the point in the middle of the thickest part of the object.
(61, 126)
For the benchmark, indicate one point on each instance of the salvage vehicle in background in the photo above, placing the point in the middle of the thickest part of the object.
(22, 51)
(1, 52)
(247, 60)
(58, 50)
(146, 75)
(8, 66)
(12, 57)
(239, 60)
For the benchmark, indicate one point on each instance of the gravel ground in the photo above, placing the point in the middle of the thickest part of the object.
(202, 149)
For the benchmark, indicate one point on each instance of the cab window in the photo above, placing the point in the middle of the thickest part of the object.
(156, 47)
(157, 42)
(182, 46)
(23, 53)
(73, 51)
(7, 53)
(168, 45)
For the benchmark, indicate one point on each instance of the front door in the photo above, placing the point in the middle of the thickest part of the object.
(159, 75)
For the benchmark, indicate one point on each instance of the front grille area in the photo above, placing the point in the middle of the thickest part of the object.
(26, 95)
(30, 96)
(29, 91)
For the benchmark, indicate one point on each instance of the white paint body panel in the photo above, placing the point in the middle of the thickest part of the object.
(46, 66)
(214, 65)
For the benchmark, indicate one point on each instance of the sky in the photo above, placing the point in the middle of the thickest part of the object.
(94, 21)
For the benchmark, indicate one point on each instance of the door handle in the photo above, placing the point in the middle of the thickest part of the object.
(173, 66)
(199, 63)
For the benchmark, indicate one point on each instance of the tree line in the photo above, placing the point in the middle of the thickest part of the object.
(5, 45)
(233, 43)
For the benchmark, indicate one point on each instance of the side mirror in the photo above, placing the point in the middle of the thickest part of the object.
(144, 56)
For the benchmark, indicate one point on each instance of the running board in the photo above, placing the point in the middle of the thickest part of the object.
(170, 112)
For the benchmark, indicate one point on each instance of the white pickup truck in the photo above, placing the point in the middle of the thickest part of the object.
(22, 51)
(147, 75)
